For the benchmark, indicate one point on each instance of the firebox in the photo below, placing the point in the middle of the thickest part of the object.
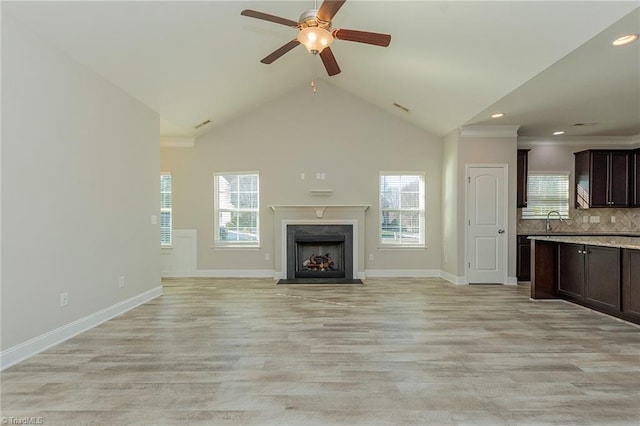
(320, 252)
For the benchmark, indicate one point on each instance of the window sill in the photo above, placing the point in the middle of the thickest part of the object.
(401, 247)
(235, 247)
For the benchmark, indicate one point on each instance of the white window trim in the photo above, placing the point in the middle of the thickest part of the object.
(421, 217)
(233, 245)
(170, 210)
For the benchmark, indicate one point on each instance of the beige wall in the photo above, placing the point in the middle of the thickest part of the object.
(450, 208)
(488, 150)
(332, 132)
(80, 165)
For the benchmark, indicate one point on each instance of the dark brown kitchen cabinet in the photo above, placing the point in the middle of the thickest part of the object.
(603, 178)
(522, 173)
(631, 284)
(571, 270)
(602, 280)
(523, 261)
(635, 177)
(590, 275)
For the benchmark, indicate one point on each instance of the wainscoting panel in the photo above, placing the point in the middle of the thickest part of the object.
(181, 259)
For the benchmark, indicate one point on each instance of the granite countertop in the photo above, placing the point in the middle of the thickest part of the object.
(611, 240)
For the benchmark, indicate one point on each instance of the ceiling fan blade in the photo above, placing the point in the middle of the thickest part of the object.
(328, 9)
(329, 61)
(362, 37)
(279, 52)
(271, 18)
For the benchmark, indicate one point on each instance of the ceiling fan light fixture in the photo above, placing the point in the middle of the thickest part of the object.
(315, 39)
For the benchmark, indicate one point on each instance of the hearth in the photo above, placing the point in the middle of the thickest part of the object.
(320, 253)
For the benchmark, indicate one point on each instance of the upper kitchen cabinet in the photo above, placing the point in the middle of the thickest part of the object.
(603, 178)
(523, 166)
(635, 177)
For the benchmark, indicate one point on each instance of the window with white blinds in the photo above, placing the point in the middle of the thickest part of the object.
(402, 204)
(547, 192)
(236, 205)
(166, 205)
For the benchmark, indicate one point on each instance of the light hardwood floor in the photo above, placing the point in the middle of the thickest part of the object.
(391, 351)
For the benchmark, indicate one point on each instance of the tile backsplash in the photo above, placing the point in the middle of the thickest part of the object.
(625, 220)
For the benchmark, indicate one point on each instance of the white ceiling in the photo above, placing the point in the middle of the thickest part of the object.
(546, 64)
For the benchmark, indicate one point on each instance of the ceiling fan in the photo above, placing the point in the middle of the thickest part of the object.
(316, 34)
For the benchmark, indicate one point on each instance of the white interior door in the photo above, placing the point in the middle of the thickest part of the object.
(486, 224)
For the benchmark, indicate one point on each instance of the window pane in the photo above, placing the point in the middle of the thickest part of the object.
(401, 209)
(238, 226)
(166, 204)
(237, 208)
(546, 192)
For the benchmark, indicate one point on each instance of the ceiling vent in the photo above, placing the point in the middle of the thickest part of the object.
(404, 108)
(204, 123)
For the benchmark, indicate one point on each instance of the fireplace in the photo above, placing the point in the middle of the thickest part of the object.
(319, 253)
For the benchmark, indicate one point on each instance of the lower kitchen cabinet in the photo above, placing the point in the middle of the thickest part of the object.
(523, 261)
(571, 270)
(602, 278)
(631, 284)
(590, 275)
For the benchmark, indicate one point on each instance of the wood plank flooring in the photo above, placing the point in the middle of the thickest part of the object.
(389, 352)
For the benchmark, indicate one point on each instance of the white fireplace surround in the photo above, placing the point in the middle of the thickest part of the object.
(319, 215)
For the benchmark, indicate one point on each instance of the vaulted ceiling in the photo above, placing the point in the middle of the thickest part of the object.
(547, 65)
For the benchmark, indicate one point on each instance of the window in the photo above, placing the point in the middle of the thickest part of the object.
(236, 205)
(547, 192)
(402, 203)
(166, 204)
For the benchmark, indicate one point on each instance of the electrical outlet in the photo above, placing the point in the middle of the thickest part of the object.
(594, 219)
(154, 219)
(64, 299)
(121, 282)
(613, 219)
(323, 176)
(370, 256)
(267, 256)
(302, 176)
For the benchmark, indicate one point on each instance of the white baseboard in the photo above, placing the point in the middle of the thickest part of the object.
(512, 281)
(400, 273)
(234, 273)
(22, 351)
(453, 279)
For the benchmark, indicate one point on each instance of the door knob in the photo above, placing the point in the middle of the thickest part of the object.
(500, 231)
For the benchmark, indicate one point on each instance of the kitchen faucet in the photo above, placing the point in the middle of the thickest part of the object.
(549, 221)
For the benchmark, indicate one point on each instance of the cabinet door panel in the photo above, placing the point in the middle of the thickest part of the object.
(619, 179)
(631, 284)
(603, 277)
(571, 270)
(636, 178)
(599, 179)
(523, 262)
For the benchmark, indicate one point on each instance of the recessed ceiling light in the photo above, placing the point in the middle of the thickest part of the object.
(558, 133)
(497, 115)
(626, 39)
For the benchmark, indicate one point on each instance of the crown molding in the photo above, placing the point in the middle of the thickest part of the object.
(490, 131)
(177, 141)
(605, 141)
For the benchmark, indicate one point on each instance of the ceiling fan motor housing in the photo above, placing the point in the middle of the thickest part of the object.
(309, 18)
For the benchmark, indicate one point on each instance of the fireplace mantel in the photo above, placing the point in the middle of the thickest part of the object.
(320, 208)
